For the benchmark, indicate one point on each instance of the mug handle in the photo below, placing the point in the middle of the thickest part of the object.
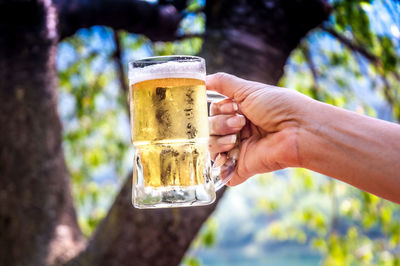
(225, 164)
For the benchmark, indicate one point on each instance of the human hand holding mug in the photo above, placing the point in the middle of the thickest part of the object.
(285, 128)
(268, 123)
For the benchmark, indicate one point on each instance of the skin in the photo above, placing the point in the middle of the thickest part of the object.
(282, 128)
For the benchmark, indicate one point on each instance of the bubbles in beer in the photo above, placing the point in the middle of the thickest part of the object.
(171, 130)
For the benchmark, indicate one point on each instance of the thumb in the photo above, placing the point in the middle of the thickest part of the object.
(225, 84)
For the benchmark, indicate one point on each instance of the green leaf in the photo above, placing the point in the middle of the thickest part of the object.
(191, 261)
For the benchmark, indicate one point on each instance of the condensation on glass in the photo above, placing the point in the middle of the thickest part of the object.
(169, 129)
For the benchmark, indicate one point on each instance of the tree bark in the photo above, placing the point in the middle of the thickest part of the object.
(37, 217)
(157, 22)
(38, 222)
(253, 39)
(129, 236)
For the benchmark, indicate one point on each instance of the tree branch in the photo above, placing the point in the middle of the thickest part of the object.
(389, 95)
(188, 36)
(373, 59)
(157, 22)
(178, 4)
(351, 45)
(120, 69)
(316, 90)
(194, 12)
(357, 48)
(143, 237)
(307, 55)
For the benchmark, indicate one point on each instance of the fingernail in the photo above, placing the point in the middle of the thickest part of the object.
(236, 121)
(219, 161)
(227, 107)
(235, 106)
(229, 139)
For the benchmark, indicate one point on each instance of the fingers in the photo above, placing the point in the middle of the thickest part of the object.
(218, 144)
(223, 129)
(231, 86)
(236, 180)
(226, 124)
(226, 106)
(224, 120)
(223, 83)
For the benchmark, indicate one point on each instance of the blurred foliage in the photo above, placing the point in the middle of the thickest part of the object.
(358, 228)
(206, 238)
(191, 261)
(347, 226)
(93, 109)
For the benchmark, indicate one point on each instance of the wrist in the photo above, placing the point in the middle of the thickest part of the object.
(309, 123)
(295, 130)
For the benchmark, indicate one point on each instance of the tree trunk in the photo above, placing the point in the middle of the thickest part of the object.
(38, 222)
(130, 236)
(37, 218)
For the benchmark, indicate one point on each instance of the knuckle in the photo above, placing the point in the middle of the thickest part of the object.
(211, 125)
(222, 76)
(211, 143)
(214, 108)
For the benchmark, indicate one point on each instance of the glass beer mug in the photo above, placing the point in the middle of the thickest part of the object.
(169, 129)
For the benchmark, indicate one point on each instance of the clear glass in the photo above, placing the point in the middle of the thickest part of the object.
(169, 129)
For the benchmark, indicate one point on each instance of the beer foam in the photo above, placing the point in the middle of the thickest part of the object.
(171, 69)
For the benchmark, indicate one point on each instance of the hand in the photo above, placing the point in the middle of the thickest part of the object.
(268, 119)
(282, 128)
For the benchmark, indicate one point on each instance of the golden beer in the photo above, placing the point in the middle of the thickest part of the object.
(170, 131)
(169, 128)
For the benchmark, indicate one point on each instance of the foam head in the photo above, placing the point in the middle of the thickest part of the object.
(167, 67)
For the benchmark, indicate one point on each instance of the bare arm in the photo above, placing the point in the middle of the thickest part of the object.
(287, 129)
(359, 150)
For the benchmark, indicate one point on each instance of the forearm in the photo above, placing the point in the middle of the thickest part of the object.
(359, 150)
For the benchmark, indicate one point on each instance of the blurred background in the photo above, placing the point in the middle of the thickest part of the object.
(290, 217)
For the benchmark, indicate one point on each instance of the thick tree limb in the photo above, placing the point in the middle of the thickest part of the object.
(179, 4)
(157, 22)
(129, 236)
(253, 39)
